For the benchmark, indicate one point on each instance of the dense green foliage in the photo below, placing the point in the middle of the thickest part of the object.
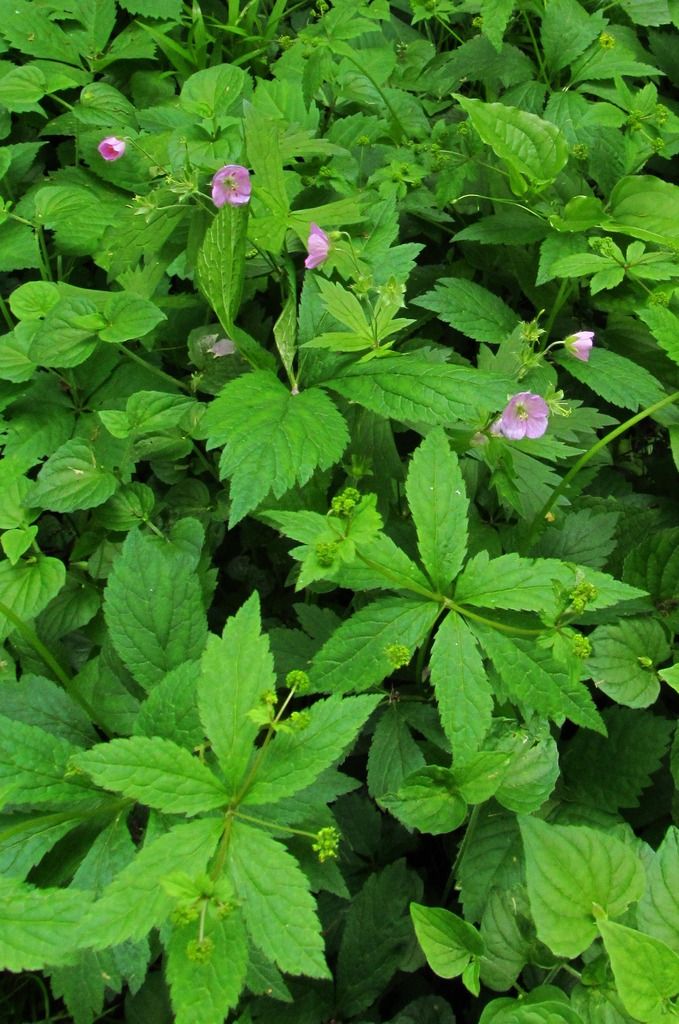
(339, 570)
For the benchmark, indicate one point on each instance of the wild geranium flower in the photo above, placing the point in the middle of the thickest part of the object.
(580, 344)
(222, 347)
(231, 185)
(318, 247)
(525, 415)
(112, 148)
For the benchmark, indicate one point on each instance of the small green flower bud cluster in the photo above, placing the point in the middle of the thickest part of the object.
(326, 844)
(581, 646)
(184, 913)
(581, 596)
(606, 41)
(477, 22)
(398, 655)
(580, 151)
(298, 681)
(659, 299)
(299, 720)
(285, 42)
(200, 951)
(603, 246)
(660, 114)
(644, 661)
(343, 504)
(326, 553)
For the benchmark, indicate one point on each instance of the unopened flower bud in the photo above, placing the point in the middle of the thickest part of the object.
(398, 654)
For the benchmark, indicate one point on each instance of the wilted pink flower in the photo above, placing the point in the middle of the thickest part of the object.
(318, 247)
(223, 347)
(231, 184)
(580, 344)
(112, 148)
(525, 415)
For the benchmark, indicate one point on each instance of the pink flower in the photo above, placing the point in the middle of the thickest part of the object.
(318, 247)
(112, 148)
(525, 415)
(580, 344)
(231, 184)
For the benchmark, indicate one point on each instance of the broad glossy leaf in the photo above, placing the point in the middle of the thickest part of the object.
(72, 479)
(571, 871)
(624, 657)
(447, 941)
(28, 587)
(646, 971)
(428, 800)
(658, 908)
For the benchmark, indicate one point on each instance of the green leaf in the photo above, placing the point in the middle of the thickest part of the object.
(612, 771)
(646, 971)
(38, 927)
(156, 772)
(71, 479)
(382, 565)
(28, 587)
(534, 679)
(463, 692)
(532, 147)
(31, 31)
(128, 317)
(206, 990)
(654, 565)
(512, 582)
(615, 378)
(220, 268)
(573, 872)
(470, 309)
(438, 502)
(531, 776)
(343, 306)
(491, 858)
(278, 908)
(447, 941)
(236, 670)
(153, 608)
(623, 659)
(645, 207)
(428, 800)
(567, 30)
(658, 908)
(394, 754)
(18, 247)
(356, 656)
(40, 702)
(67, 335)
(33, 765)
(263, 147)
(664, 326)
(412, 390)
(171, 709)
(295, 759)
(274, 439)
(131, 505)
(507, 948)
(136, 901)
(212, 93)
(377, 938)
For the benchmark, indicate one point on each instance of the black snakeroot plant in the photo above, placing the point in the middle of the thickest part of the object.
(340, 553)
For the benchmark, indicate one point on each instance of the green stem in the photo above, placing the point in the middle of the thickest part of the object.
(594, 450)
(154, 369)
(7, 316)
(38, 646)
(44, 254)
(274, 825)
(387, 103)
(536, 50)
(564, 288)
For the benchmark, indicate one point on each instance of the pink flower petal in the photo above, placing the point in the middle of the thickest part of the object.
(580, 344)
(231, 186)
(112, 148)
(318, 247)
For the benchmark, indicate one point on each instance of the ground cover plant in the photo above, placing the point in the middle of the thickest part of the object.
(339, 581)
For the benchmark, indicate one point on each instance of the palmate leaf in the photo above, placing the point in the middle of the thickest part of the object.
(438, 502)
(571, 870)
(413, 390)
(38, 926)
(279, 910)
(512, 582)
(294, 759)
(236, 670)
(274, 439)
(356, 656)
(206, 990)
(153, 608)
(156, 772)
(135, 901)
(463, 692)
(534, 679)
